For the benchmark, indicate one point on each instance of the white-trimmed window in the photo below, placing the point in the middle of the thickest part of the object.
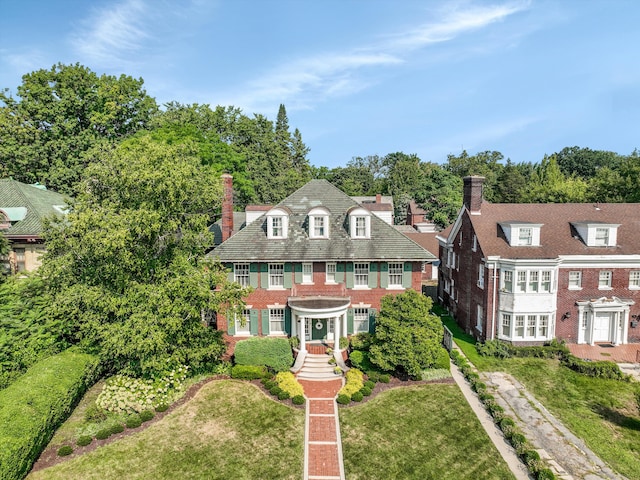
(575, 280)
(543, 326)
(522, 281)
(506, 324)
(361, 227)
(533, 281)
(277, 223)
(519, 333)
(479, 322)
(307, 273)
(277, 227)
(526, 326)
(330, 271)
(602, 237)
(507, 281)
(545, 281)
(241, 274)
(360, 223)
(481, 276)
(361, 274)
(525, 236)
(243, 318)
(360, 320)
(276, 275)
(276, 321)
(395, 275)
(634, 279)
(319, 223)
(531, 325)
(604, 279)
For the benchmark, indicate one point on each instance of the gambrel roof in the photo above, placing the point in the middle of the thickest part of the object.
(385, 242)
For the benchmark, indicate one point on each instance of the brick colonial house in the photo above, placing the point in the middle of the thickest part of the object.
(319, 263)
(22, 210)
(528, 273)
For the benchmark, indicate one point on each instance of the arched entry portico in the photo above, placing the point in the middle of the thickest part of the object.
(319, 318)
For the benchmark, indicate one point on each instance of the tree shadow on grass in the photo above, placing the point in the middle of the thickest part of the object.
(617, 418)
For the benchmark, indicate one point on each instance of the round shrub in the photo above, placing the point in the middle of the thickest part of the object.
(357, 397)
(545, 474)
(518, 441)
(94, 414)
(103, 434)
(506, 422)
(133, 421)
(373, 376)
(298, 400)
(163, 407)
(479, 386)
(343, 399)
(269, 384)
(117, 428)
(385, 378)
(484, 396)
(532, 459)
(366, 391)
(65, 450)
(275, 390)
(84, 440)
(370, 385)
(146, 415)
(283, 395)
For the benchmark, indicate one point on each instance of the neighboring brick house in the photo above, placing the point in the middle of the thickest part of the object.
(528, 273)
(22, 210)
(319, 263)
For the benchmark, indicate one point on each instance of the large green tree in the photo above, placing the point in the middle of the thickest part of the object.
(549, 185)
(487, 164)
(126, 268)
(59, 114)
(408, 336)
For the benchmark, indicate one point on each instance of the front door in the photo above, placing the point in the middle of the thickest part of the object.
(602, 327)
(317, 328)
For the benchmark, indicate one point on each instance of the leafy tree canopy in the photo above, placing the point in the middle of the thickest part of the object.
(408, 336)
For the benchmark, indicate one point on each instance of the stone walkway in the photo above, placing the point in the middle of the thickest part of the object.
(322, 442)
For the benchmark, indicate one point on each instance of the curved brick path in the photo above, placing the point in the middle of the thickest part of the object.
(322, 445)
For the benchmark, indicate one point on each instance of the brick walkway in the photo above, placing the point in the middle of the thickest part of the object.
(628, 353)
(322, 446)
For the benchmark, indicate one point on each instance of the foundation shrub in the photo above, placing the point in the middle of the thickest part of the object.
(354, 382)
(37, 403)
(288, 383)
(362, 341)
(84, 440)
(357, 397)
(146, 415)
(248, 372)
(274, 353)
(298, 400)
(360, 360)
(494, 348)
(343, 399)
(600, 369)
(283, 395)
(343, 343)
(65, 450)
(373, 376)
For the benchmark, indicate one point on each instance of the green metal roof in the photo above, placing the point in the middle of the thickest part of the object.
(26, 206)
(386, 243)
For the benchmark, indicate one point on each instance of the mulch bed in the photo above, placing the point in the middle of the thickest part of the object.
(49, 456)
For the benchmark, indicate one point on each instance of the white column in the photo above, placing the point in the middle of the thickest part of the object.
(336, 333)
(294, 327)
(303, 322)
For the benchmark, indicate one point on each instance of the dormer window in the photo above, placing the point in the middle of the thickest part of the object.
(522, 234)
(319, 223)
(277, 223)
(360, 223)
(597, 234)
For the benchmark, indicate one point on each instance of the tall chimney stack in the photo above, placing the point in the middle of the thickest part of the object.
(472, 196)
(227, 206)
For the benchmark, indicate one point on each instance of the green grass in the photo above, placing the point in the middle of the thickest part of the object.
(422, 432)
(230, 429)
(602, 412)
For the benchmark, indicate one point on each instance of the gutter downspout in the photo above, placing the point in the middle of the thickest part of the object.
(493, 304)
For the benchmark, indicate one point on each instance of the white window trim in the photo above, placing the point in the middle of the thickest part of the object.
(247, 276)
(271, 286)
(364, 312)
(481, 276)
(575, 287)
(247, 328)
(396, 286)
(356, 214)
(631, 274)
(277, 213)
(526, 317)
(327, 281)
(366, 285)
(312, 226)
(610, 282)
(307, 281)
(277, 332)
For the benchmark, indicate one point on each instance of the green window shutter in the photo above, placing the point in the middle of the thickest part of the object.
(297, 272)
(253, 275)
(349, 274)
(253, 316)
(373, 275)
(264, 275)
(287, 320)
(339, 272)
(349, 321)
(265, 321)
(406, 275)
(287, 275)
(384, 275)
(231, 324)
(372, 320)
(230, 275)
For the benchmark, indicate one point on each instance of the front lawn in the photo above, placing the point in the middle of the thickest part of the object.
(421, 432)
(230, 429)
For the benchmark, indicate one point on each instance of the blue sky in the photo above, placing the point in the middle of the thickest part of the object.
(365, 77)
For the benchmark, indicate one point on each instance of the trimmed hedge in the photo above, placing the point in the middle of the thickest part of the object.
(36, 404)
(288, 383)
(274, 353)
(354, 382)
(248, 372)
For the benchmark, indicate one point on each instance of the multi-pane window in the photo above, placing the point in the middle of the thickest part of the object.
(241, 274)
(531, 325)
(307, 273)
(533, 281)
(634, 279)
(20, 260)
(604, 279)
(575, 279)
(330, 269)
(481, 276)
(276, 320)
(360, 320)
(479, 317)
(361, 274)
(319, 226)
(602, 237)
(361, 227)
(276, 275)
(395, 274)
(522, 281)
(277, 229)
(543, 326)
(243, 323)
(506, 324)
(519, 326)
(525, 236)
(507, 281)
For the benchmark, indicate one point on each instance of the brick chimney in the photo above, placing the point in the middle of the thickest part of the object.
(227, 206)
(472, 196)
(378, 198)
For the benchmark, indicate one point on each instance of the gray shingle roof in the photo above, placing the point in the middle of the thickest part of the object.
(39, 203)
(386, 243)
